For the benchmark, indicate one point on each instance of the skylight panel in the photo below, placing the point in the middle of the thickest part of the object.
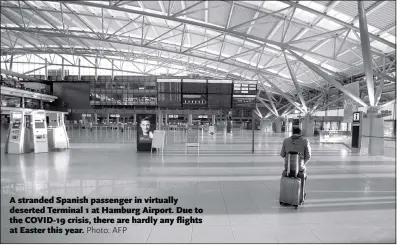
(233, 39)
(77, 8)
(274, 5)
(340, 16)
(256, 3)
(304, 16)
(242, 61)
(271, 51)
(329, 67)
(54, 5)
(273, 46)
(383, 47)
(313, 5)
(388, 37)
(311, 59)
(95, 10)
(328, 25)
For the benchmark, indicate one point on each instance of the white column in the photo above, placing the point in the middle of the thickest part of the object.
(96, 69)
(79, 72)
(278, 123)
(308, 126)
(63, 70)
(190, 119)
(46, 69)
(376, 132)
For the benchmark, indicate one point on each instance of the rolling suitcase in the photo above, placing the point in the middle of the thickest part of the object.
(290, 186)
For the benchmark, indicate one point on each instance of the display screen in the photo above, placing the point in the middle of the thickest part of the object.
(245, 87)
(169, 100)
(194, 100)
(16, 125)
(39, 124)
(194, 86)
(16, 116)
(244, 101)
(169, 86)
(219, 101)
(220, 86)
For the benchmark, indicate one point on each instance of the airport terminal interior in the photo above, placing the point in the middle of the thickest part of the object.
(190, 102)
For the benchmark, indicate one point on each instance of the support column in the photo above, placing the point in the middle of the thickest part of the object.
(22, 102)
(278, 123)
(308, 126)
(117, 120)
(108, 119)
(366, 51)
(375, 134)
(46, 69)
(253, 132)
(160, 119)
(166, 118)
(95, 118)
(112, 70)
(190, 119)
(96, 69)
(134, 122)
(266, 125)
(63, 70)
(213, 120)
(11, 61)
(79, 72)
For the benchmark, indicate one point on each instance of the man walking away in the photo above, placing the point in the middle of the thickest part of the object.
(296, 143)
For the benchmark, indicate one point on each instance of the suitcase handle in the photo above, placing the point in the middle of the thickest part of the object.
(289, 164)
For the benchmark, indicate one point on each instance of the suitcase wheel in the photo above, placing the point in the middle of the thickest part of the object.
(282, 204)
(296, 206)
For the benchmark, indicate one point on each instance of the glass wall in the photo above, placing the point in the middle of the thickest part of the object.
(32, 103)
(123, 91)
(10, 101)
(390, 128)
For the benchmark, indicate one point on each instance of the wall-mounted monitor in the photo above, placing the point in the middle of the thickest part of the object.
(220, 86)
(244, 101)
(169, 100)
(169, 85)
(194, 101)
(194, 86)
(245, 87)
(219, 101)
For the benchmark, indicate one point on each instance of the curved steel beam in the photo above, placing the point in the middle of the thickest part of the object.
(217, 28)
(215, 60)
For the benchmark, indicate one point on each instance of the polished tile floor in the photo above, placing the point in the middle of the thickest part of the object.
(351, 197)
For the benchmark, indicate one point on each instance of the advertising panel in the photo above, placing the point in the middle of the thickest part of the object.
(146, 124)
